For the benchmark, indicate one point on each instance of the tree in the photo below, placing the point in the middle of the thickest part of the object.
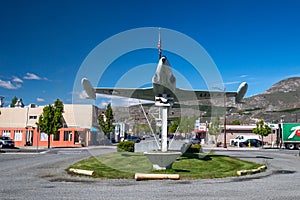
(13, 102)
(106, 120)
(235, 122)
(143, 128)
(58, 117)
(186, 124)
(215, 128)
(51, 119)
(174, 125)
(262, 129)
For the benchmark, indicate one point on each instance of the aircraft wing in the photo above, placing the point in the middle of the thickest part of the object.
(136, 93)
(148, 94)
(188, 95)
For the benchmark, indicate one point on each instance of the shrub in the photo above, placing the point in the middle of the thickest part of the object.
(126, 146)
(194, 148)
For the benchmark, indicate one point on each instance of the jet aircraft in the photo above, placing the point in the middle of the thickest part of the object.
(164, 87)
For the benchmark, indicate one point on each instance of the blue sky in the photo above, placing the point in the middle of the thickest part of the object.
(44, 43)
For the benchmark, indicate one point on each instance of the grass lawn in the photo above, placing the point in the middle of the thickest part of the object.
(189, 166)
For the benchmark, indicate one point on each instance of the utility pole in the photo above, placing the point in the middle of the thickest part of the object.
(225, 145)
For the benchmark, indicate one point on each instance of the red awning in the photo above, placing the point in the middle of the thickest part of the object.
(199, 131)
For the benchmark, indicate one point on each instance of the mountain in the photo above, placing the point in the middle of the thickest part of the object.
(281, 101)
(285, 86)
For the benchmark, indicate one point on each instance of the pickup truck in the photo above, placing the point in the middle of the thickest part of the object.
(242, 138)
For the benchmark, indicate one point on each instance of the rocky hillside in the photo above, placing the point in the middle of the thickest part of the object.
(285, 86)
(281, 101)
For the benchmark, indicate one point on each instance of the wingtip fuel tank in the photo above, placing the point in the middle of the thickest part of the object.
(241, 92)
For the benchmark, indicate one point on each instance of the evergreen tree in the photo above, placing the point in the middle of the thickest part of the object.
(106, 120)
(13, 102)
(51, 119)
(58, 117)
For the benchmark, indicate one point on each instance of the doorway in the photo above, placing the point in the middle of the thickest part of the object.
(29, 138)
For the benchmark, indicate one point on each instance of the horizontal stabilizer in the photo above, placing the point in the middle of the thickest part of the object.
(88, 88)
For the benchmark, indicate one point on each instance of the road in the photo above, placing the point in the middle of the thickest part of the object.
(42, 176)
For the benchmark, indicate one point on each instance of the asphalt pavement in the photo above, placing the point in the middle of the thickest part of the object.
(29, 175)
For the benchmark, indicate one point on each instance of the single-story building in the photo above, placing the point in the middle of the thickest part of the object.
(232, 131)
(80, 126)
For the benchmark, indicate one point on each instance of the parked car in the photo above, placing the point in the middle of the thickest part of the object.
(253, 143)
(6, 142)
(133, 138)
(171, 136)
(195, 141)
(145, 136)
(242, 138)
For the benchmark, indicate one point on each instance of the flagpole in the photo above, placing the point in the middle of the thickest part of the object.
(159, 45)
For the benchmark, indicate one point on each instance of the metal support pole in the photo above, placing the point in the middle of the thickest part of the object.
(164, 102)
(164, 130)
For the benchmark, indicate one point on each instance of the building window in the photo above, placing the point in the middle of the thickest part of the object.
(6, 133)
(76, 139)
(18, 135)
(67, 135)
(56, 136)
(43, 137)
(33, 117)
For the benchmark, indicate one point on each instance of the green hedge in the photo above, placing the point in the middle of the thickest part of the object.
(194, 148)
(126, 146)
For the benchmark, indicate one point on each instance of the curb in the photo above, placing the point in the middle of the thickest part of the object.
(82, 171)
(140, 176)
(252, 171)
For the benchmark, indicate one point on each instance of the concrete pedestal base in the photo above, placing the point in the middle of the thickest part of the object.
(162, 160)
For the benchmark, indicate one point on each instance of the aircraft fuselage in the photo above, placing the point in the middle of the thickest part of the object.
(164, 82)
